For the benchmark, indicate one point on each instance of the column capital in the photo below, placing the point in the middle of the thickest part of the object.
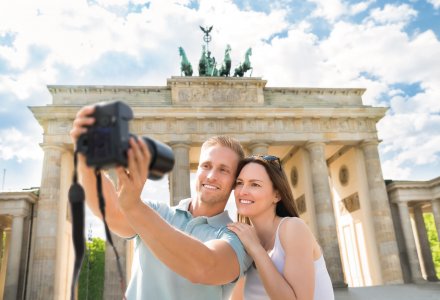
(312, 144)
(258, 147)
(177, 144)
(370, 142)
(402, 204)
(255, 144)
(259, 142)
(62, 147)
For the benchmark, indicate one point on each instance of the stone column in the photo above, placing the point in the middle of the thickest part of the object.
(424, 244)
(436, 212)
(381, 215)
(13, 267)
(325, 218)
(180, 185)
(4, 261)
(1, 247)
(112, 284)
(410, 243)
(259, 148)
(42, 278)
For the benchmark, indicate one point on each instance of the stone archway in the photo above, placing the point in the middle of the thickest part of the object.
(310, 129)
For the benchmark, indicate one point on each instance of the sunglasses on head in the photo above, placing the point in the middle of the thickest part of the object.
(270, 159)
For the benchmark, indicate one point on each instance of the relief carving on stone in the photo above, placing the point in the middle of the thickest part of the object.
(216, 96)
(349, 204)
(231, 124)
(301, 204)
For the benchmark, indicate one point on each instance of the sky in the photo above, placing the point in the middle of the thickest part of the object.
(390, 48)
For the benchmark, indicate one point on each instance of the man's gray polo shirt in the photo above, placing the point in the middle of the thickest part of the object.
(151, 279)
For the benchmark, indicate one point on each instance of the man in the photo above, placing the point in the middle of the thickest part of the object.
(184, 252)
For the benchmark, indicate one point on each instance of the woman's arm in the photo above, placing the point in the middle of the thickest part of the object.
(299, 271)
(238, 291)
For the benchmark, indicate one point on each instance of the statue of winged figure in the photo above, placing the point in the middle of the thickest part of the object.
(206, 30)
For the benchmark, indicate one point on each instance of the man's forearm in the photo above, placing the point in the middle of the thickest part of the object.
(115, 219)
(210, 263)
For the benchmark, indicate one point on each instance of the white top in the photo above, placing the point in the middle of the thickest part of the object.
(254, 289)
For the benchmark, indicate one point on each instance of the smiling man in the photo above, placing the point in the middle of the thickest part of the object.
(182, 252)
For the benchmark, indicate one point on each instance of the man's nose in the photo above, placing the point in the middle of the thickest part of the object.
(211, 174)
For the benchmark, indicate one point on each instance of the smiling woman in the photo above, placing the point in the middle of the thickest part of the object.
(288, 262)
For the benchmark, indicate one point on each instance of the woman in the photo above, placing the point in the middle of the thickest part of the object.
(288, 262)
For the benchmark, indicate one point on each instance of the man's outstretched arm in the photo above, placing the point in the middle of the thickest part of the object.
(214, 262)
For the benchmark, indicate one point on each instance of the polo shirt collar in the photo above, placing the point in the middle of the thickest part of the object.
(216, 221)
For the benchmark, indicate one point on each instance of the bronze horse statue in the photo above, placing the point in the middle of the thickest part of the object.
(225, 68)
(185, 65)
(245, 66)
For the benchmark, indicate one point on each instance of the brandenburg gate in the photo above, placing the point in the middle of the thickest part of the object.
(326, 138)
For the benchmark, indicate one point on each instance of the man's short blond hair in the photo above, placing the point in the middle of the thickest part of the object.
(225, 141)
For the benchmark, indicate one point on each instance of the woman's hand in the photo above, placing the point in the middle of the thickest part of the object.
(248, 236)
(132, 179)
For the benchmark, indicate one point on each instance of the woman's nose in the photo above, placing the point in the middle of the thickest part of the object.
(242, 190)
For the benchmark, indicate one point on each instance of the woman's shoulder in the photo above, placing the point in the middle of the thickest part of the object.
(294, 228)
(293, 223)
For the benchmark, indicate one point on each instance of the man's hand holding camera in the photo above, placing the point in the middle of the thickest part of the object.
(132, 179)
(101, 137)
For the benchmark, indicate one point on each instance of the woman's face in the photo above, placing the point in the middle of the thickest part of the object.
(254, 193)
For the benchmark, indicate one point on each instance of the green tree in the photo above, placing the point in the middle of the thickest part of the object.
(433, 240)
(91, 278)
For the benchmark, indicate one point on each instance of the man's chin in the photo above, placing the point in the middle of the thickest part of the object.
(212, 198)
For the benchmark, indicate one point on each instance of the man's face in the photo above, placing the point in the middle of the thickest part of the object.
(216, 174)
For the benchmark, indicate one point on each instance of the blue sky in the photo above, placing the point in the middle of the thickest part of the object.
(391, 48)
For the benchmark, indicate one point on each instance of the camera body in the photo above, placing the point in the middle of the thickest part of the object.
(106, 142)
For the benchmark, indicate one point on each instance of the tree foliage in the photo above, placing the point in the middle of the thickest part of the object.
(433, 240)
(91, 279)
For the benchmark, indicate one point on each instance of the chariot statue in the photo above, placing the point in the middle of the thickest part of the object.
(207, 63)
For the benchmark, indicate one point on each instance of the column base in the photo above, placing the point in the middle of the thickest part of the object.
(339, 285)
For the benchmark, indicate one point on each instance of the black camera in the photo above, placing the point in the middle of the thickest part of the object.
(106, 142)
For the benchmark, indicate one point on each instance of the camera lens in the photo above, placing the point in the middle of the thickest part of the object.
(162, 158)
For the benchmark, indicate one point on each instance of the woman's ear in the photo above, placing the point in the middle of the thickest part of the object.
(277, 197)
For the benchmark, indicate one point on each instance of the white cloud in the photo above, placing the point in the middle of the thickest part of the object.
(412, 139)
(435, 3)
(329, 9)
(360, 6)
(16, 145)
(53, 36)
(393, 170)
(384, 52)
(400, 14)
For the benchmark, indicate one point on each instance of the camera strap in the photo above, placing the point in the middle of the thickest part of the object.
(76, 199)
(107, 231)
